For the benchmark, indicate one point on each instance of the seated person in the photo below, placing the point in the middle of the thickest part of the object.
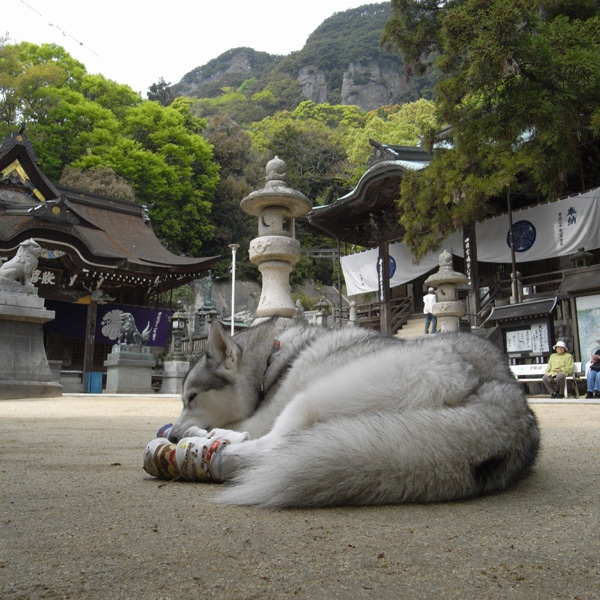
(593, 376)
(560, 364)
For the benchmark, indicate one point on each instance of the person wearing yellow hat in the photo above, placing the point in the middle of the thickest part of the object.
(560, 365)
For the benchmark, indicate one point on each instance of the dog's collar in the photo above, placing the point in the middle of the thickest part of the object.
(275, 348)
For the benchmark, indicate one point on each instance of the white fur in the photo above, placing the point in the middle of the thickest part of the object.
(356, 418)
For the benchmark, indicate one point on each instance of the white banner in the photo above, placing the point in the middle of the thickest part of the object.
(361, 273)
(545, 231)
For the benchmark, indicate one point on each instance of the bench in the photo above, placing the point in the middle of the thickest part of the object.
(533, 374)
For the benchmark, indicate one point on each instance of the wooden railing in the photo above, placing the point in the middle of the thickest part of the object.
(369, 315)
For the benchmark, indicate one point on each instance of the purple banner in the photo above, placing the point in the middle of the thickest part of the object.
(153, 321)
(71, 318)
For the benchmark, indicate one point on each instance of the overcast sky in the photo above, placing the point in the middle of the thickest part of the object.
(137, 41)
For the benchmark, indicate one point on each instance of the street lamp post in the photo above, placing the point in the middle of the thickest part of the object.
(234, 248)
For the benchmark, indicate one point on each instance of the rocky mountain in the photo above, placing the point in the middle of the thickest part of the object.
(341, 63)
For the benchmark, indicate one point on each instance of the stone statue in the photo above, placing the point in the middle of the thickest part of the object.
(23, 264)
(129, 333)
(208, 282)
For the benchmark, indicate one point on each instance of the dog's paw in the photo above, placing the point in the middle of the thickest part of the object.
(194, 431)
(228, 435)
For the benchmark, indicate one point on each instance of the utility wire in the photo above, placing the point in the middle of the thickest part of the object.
(65, 33)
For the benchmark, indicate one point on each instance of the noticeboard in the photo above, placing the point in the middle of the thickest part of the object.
(532, 339)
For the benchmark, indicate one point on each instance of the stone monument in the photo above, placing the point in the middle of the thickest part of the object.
(25, 372)
(448, 309)
(130, 363)
(176, 366)
(276, 250)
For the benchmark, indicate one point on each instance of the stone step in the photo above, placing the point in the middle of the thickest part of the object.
(414, 327)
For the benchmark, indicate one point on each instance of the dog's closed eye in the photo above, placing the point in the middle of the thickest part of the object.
(191, 397)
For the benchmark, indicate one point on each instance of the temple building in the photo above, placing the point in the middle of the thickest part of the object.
(100, 257)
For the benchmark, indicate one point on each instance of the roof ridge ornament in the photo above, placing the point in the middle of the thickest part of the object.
(18, 138)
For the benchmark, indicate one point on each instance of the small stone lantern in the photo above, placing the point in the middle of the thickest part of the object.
(276, 250)
(448, 309)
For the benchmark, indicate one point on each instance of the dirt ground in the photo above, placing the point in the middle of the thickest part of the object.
(81, 519)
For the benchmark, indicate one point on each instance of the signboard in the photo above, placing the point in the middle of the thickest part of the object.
(533, 339)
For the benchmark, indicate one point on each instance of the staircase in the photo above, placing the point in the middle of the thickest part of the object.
(414, 327)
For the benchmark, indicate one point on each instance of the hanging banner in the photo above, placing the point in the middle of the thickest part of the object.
(361, 273)
(70, 321)
(545, 231)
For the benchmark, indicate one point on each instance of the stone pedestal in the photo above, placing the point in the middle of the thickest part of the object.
(25, 372)
(173, 373)
(129, 370)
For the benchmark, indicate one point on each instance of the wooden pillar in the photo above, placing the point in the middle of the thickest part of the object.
(88, 351)
(385, 313)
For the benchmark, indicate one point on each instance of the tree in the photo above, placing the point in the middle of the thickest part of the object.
(27, 69)
(240, 175)
(89, 122)
(401, 125)
(102, 180)
(169, 165)
(161, 92)
(521, 89)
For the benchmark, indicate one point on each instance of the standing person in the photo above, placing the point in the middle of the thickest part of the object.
(428, 301)
(560, 364)
(593, 376)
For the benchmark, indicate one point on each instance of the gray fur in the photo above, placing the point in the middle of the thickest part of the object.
(354, 417)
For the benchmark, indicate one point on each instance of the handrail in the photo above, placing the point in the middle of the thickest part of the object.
(369, 315)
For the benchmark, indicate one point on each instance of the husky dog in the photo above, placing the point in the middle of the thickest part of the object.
(354, 417)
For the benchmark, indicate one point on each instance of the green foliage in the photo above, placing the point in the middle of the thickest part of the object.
(161, 92)
(25, 70)
(240, 175)
(521, 88)
(89, 122)
(400, 125)
(308, 302)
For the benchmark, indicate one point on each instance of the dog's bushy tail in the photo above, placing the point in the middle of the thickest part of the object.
(424, 455)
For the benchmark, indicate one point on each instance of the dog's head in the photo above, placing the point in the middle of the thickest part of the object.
(210, 387)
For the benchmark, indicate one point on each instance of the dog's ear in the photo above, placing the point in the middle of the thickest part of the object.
(222, 348)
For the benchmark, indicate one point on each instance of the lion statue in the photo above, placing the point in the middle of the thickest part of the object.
(129, 333)
(21, 267)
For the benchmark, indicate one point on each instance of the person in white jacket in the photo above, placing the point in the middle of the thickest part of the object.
(428, 301)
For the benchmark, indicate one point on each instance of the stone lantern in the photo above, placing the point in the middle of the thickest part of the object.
(276, 249)
(448, 309)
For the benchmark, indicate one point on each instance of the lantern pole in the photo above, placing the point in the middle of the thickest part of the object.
(234, 248)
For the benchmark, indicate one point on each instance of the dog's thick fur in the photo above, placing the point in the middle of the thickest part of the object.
(354, 417)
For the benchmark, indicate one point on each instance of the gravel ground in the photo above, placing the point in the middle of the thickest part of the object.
(81, 519)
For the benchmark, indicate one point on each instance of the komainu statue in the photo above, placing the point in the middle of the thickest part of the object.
(129, 333)
(23, 264)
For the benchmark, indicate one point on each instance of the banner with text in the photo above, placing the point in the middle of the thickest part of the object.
(545, 231)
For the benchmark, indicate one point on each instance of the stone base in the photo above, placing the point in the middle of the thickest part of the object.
(25, 372)
(17, 390)
(72, 382)
(172, 378)
(129, 370)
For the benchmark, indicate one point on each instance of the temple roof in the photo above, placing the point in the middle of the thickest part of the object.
(369, 214)
(96, 236)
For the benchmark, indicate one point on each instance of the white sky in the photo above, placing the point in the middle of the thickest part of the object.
(137, 41)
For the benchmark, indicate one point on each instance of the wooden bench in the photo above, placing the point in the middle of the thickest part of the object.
(533, 374)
